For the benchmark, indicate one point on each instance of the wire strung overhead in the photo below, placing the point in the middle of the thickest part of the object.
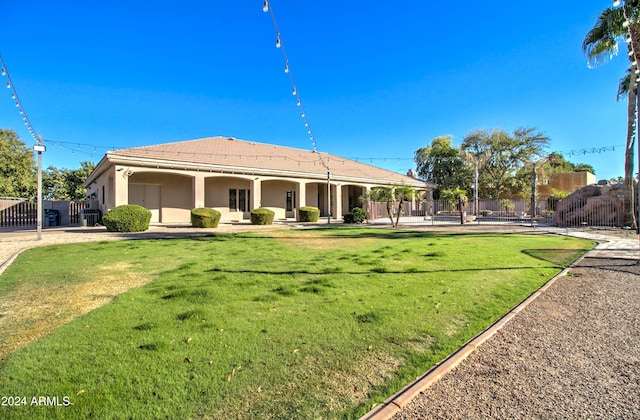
(267, 8)
(16, 98)
(591, 151)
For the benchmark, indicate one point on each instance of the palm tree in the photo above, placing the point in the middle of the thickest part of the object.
(601, 44)
(390, 196)
(456, 195)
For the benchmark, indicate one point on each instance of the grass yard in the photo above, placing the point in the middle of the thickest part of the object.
(289, 324)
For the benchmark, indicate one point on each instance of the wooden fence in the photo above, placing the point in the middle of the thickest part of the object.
(21, 213)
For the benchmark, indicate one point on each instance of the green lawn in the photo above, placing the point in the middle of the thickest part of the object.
(290, 324)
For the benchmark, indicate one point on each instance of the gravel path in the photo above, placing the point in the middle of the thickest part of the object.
(573, 353)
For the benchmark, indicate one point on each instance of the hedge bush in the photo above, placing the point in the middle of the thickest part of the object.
(205, 218)
(127, 218)
(262, 216)
(356, 215)
(308, 214)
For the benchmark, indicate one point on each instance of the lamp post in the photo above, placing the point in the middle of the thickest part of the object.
(39, 148)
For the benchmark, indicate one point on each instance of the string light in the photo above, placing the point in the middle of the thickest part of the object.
(267, 8)
(15, 97)
(591, 151)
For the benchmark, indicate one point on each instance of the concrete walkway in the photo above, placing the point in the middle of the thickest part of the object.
(485, 384)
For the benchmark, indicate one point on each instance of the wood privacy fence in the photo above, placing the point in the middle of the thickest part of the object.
(21, 213)
(592, 211)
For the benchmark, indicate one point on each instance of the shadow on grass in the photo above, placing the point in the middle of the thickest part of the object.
(557, 256)
(324, 232)
(377, 270)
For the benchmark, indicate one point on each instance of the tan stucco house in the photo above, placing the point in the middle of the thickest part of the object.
(234, 177)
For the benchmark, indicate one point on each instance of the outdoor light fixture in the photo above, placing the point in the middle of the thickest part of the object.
(616, 3)
(265, 6)
(286, 68)
(278, 42)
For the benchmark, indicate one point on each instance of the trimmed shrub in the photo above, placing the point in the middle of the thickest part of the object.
(262, 216)
(308, 214)
(205, 218)
(356, 215)
(127, 218)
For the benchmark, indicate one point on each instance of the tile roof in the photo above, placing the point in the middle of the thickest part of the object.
(233, 154)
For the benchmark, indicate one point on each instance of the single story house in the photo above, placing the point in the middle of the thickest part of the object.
(233, 177)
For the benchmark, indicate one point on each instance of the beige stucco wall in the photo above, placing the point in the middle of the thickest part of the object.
(274, 196)
(104, 189)
(312, 194)
(176, 194)
(216, 195)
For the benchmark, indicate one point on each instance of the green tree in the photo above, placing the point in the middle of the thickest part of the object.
(602, 43)
(584, 167)
(443, 165)
(66, 184)
(52, 180)
(456, 196)
(505, 155)
(392, 197)
(557, 164)
(17, 167)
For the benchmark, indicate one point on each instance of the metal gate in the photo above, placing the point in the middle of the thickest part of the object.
(592, 211)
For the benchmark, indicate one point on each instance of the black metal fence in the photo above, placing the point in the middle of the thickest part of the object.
(22, 213)
(592, 211)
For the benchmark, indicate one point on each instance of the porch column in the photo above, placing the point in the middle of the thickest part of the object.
(338, 202)
(121, 180)
(198, 191)
(346, 197)
(256, 193)
(301, 192)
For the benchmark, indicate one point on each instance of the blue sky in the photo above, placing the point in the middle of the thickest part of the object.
(377, 79)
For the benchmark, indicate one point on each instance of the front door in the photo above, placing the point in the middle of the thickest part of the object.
(290, 204)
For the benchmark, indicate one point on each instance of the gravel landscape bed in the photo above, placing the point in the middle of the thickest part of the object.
(573, 353)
